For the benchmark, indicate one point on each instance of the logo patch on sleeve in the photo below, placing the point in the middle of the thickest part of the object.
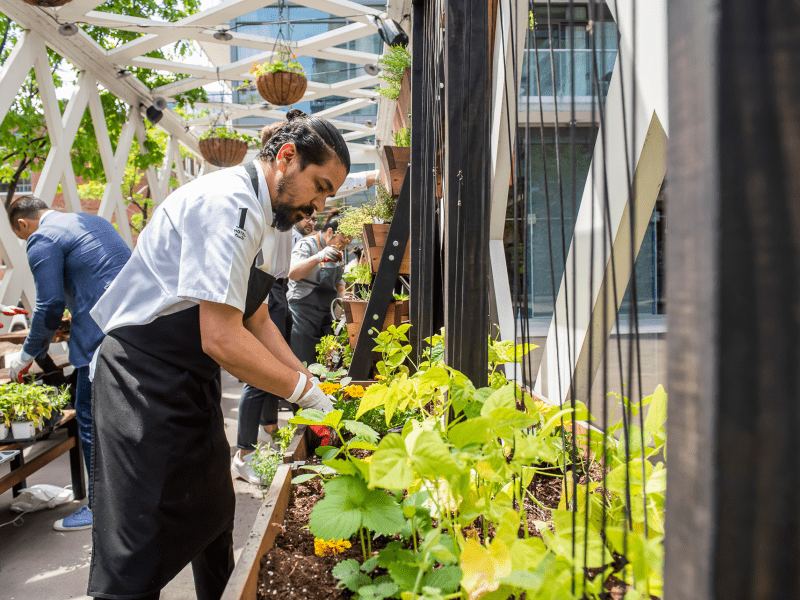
(239, 230)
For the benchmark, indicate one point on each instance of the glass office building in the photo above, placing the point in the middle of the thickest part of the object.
(273, 22)
(564, 57)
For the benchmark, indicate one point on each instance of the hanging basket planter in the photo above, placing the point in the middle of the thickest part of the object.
(223, 152)
(281, 88)
(47, 3)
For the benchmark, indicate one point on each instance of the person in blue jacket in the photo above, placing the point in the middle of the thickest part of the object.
(74, 257)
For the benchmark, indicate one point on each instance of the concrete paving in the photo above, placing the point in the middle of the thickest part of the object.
(39, 563)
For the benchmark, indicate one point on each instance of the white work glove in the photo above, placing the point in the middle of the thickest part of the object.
(315, 398)
(329, 253)
(19, 368)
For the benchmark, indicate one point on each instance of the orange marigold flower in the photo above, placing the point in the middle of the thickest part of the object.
(354, 391)
(331, 548)
(329, 388)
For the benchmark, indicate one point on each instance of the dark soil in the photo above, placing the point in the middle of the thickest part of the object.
(291, 569)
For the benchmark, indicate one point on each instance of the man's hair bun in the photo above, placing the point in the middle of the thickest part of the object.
(295, 113)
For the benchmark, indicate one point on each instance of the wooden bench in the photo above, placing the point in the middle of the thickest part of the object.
(21, 469)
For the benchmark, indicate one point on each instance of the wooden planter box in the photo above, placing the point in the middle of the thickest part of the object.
(223, 152)
(403, 106)
(355, 312)
(374, 237)
(282, 88)
(394, 161)
(243, 582)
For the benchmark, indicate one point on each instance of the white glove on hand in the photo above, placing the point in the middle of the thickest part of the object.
(329, 253)
(19, 368)
(315, 398)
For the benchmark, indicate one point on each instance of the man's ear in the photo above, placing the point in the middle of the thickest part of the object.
(20, 223)
(285, 155)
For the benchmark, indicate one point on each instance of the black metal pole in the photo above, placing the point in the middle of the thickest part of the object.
(467, 179)
(733, 292)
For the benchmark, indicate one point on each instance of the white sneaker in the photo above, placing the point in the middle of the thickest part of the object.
(241, 468)
(265, 439)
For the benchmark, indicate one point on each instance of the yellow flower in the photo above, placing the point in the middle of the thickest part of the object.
(331, 548)
(329, 388)
(379, 377)
(354, 391)
(368, 459)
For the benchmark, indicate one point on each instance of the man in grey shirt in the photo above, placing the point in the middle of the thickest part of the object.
(315, 280)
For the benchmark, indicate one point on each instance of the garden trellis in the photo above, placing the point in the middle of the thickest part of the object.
(102, 67)
(485, 106)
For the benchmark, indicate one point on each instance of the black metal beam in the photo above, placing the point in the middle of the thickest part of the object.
(425, 252)
(733, 298)
(384, 283)
(467, 180)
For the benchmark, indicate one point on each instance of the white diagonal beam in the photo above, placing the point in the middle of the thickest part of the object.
(509, 47)
(114, 162)
(61, 131)
(14, 71)
(616, 160)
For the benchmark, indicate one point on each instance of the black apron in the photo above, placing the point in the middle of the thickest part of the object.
(161, 482)
(311, 314)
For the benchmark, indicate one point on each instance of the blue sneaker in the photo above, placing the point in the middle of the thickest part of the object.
(82, 519)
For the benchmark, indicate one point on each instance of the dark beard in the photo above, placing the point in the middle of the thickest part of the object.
(284, 216)
(284, 219)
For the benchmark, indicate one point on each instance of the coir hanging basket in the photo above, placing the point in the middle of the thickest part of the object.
(47, 3)
(223, 152)
(282, 88)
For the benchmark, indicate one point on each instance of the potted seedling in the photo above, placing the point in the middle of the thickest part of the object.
(30, 405)
(370, 223)
(223, 147)
(5, 417)
(281, 82)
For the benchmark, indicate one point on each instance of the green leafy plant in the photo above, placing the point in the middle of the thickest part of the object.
(394, 64)
(358, 280)
(284, 64)
(381, 210)
(329, 351)
(266, 459)
(29, 402)
(402, 138)
(451, 493)
(227, 134)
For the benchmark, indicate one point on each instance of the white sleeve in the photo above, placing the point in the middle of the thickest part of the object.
(220, 237)
(353, 183)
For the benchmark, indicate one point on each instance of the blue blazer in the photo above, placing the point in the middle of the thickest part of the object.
(74, 257)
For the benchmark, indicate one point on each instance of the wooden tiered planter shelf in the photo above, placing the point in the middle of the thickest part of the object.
(355, 313)
(403, 106)
(243, 582)
(374, 237)
(394, 161)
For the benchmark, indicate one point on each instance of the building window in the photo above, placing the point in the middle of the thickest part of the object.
(24, 186)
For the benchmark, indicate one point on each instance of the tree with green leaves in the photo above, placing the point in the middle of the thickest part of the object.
(133, 180)
(24, 139)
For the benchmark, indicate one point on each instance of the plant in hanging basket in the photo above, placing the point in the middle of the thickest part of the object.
(281, 82)
(224, 148)
(47, 3)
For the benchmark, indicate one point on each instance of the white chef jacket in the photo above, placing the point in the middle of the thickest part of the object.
(199, 245)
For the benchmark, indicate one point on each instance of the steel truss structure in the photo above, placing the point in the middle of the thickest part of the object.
(99, 67)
